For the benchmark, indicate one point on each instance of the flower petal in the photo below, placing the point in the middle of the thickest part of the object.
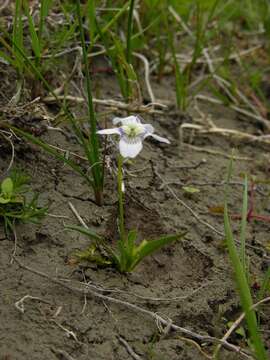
(127, 120)
(149, 129)
(130, 148)
(160, 138)
(109, 131)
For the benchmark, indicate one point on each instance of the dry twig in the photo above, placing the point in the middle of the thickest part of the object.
(129, 348)
(114, 104)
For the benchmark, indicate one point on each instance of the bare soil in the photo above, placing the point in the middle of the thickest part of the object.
(190, 283)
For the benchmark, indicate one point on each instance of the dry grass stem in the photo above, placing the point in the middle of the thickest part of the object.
(231, 133)
(147, 76)
(19, 305)
(114, 104)
(77, 215)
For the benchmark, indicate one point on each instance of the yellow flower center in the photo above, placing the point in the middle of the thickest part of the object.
(133, 130)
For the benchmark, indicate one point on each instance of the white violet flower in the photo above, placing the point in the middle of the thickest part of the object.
(132, 133)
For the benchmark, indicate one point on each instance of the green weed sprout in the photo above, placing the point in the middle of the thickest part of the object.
(241, 277)
(128, 254)
(15, 204)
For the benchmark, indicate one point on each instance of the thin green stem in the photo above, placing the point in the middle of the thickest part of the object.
(121, 199)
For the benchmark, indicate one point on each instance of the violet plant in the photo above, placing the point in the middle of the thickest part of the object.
(128, 253)
(17, 202)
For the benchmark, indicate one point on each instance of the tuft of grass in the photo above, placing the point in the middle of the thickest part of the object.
(90, 145)
(17, 36)
(93, 153)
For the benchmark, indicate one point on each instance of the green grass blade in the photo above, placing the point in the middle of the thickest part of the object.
(73, 122)
(91, 11)
(97, 170)
(33, 34)
(51, 151)
(44, 11)
(242, 283)
(88, 232)
(8, 59)
(244, 225)
(129, 30)
(17, 33)
(180, 81)
(112, 21)
(265, 285)
(113, 53)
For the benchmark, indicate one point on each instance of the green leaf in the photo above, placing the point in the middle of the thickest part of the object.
(4, 200)
(7, 59)
(90, 233)
(127, 250)
(190, 189)
(148, 247)
(132, 236)
(7, 187)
